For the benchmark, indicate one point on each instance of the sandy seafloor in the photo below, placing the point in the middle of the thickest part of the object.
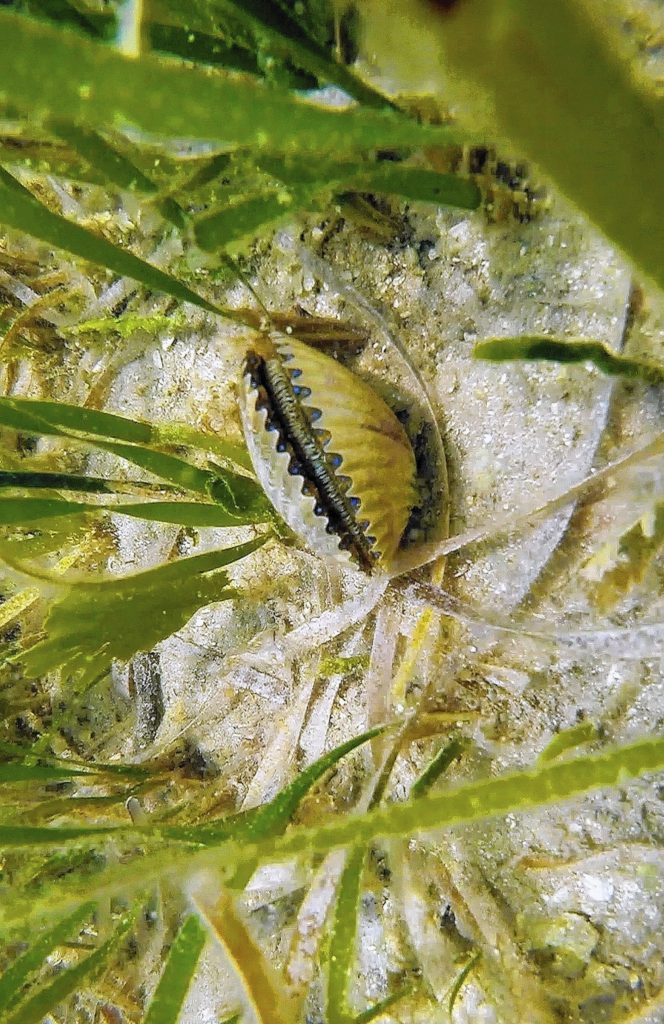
(565, 904)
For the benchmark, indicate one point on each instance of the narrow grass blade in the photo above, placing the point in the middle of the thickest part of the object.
(273, 818)
(88, 83)
(179, 513)
(50, 836)
(95, 623)
(461, 980)
(343, 931)
(269, 819)
(277, 32)
(12, 751)
(36, 773)
(177, 974)
(474, 801)
(541, 348)
(379, 1009)
(69, 981)
(567, 739)
(30, 480)
(256, 975)
(418, 185)
(239, 495)
(115, 168)
(20, 210)
(18, 973)
(513, 793)
(94, 148)
(438, 766)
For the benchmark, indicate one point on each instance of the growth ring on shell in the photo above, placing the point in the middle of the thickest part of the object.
(332, 457)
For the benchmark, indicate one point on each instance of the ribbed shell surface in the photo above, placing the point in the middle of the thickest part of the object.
(362, 445)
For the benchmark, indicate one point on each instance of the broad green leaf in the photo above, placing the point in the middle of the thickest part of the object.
(343, 930)
(34, 540)
(536, 347)
(60, 418)
(71, 980)
(95, 623)
(20, 210)
(312, 189)
(419, 185)
(21, 510)
(40, 417)
(567, 739)
(200, 47)
(177, 974)
(18, 973)
(438, 766)
(92, 84)
(623, 562)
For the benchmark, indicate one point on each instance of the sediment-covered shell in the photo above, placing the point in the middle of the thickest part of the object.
(331, 455)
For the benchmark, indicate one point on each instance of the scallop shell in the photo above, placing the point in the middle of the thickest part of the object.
(330, 454)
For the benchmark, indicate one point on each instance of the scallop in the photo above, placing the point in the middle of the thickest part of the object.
(332, 457)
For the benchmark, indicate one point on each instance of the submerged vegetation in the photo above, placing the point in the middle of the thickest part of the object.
(158, 164)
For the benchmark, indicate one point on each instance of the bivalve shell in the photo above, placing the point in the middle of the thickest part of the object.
(331, 455)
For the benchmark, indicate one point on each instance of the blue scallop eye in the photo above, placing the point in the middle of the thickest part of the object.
(355, 503)
(334, 460)
(314, 414)
(301, 391)
(295, 372)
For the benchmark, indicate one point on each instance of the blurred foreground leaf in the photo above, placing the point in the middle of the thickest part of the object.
(560, 89)
(89, 83)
